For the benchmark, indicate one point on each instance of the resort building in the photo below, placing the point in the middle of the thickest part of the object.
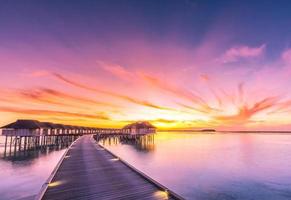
(47, 128)
(139, 128)
(22, 128)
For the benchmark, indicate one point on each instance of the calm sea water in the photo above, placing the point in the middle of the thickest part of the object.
(215, 166)
(195, 165)
(23, 175)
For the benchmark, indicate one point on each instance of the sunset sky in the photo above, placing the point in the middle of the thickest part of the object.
(176, 63)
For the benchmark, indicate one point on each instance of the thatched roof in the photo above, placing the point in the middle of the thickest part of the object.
(23, 124)
(139, 125)
(34, 124)
(60, 126)
(148, 124)
(68, 126)
(48, 125)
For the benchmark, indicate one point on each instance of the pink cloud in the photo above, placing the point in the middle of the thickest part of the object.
(286, 56)
(35, 73)
(116, 70)
(245, 113)
(242, 52)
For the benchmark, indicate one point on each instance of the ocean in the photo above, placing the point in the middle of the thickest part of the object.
(215, 166)
(22, 176)
(196, 165)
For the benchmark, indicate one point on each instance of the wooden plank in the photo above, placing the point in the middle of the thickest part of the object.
(87, 171)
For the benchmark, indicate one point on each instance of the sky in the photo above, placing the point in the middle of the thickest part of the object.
(180, 64)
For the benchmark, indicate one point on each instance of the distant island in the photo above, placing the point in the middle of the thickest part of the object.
(188, 130)
(208, 130)
(224, 131)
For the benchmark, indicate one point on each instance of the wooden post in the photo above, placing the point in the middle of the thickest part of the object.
(25, 142)
(15, 144)
(5, 146)
(19, 148)
(35, 141)
(28, 142)
(10, 145)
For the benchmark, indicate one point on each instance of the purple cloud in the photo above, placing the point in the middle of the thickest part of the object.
(286, 56)
(235, 54)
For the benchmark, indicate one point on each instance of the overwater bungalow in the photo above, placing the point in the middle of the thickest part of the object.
(139, 128)
(80, 129)
(60, 129)
(208, 130)
(48, 128)
(69, 129)
(22, 128)
(76, 129)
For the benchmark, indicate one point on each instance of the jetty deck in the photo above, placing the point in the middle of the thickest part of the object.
(88, 171)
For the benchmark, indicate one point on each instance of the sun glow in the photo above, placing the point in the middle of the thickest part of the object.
(103, 77)
(175, 107)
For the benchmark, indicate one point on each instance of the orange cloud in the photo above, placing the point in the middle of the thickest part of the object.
(117, 70)
(204, 77)
(37, 73)
(63, 95)
(245, 113)
(122, 73)
(39, 96)
(180, 92)
(281, 107)
(52, 113)
(188, 108)
(191, 108)
(120, 96)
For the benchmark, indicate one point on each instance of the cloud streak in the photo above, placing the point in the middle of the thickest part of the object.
(235, 54)
(120, 96)
(245, 113)
(38, 112)
(137, 77)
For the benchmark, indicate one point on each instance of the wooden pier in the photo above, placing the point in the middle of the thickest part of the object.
(25, 135)
(88, 171)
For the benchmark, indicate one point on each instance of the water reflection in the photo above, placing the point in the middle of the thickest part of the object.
(20, 154)
(217, 166)
(247, 148)
(30, 154)
(142, 143)
(23, 172)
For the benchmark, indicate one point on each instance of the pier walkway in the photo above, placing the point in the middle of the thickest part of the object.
(88, 171)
